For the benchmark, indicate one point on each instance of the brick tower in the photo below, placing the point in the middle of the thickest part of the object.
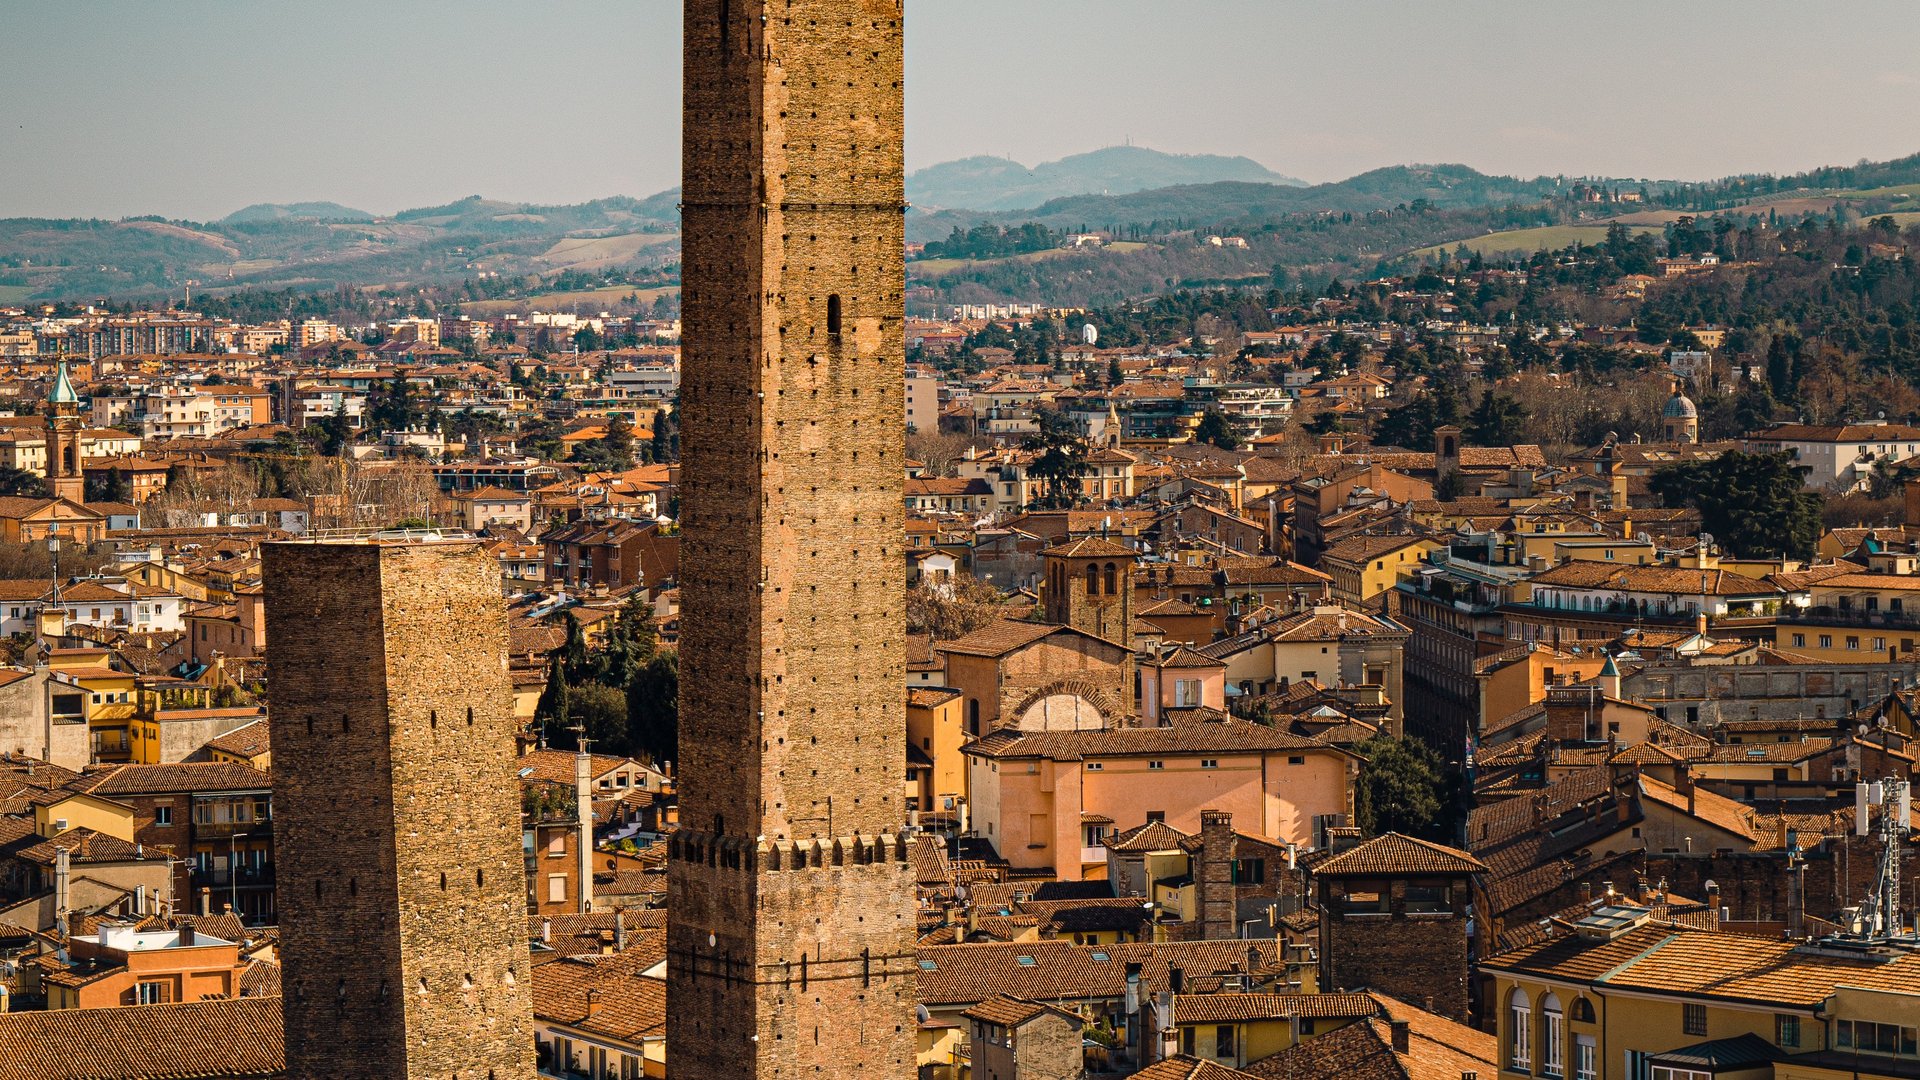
(1090, 587)
(790, 950)
(402, 891)
(66, 476)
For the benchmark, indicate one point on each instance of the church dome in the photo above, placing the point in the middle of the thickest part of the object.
(1680, 407)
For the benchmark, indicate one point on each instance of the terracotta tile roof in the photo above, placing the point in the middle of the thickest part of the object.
(1182, 1067)
(624, 1004)
(1153, 836)
(557, 766)
(926, 697)
(1675, 960)
(1232, 1008)
(1397, 854)
(247, 740)
(999, 638)
(1226, 736)
(1437, 1049)
(183, 776)
(1008, 1011)
(1359, 549)
(1061, 971)
(199, 1040)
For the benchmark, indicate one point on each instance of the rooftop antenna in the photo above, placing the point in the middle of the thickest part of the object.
(1880, 915)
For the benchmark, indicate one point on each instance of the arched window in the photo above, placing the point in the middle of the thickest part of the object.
(1582, 1011)
(1111, 579)
(1553, 1037)
(833, 315)
(1520, 1031)
(1093, 579)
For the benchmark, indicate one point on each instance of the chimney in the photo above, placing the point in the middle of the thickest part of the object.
(546, 931)
(186, 935)
(583, 809)
(1214, 893)
(61, 897)
(1586, 891)
(206, 900)
(1796, 896)
(593, 1003)
(1176, 978)
(620, 929)
(1400, 1039)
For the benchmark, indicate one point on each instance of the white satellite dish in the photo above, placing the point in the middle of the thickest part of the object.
(1090, 334)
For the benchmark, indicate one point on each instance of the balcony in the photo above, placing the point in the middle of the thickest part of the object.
(1856, 617)
(246, 877)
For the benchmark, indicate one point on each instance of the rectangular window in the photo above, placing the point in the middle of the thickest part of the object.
(1853, 643)
(1094, 766)
(1879, 644)
(1693, 1019)
(163, 815)
(1786, 1031)
(150, 993)
(1799, 641)
(1826, 641)
(1297, 759)
(556, 888)
(1209, 763)
(1663, 1072)
(1250, 871)
(1187, 1041)
(1586, 1058)
(1156, 764)
(1521, 1019)
(1223, 1042)
(557, 845)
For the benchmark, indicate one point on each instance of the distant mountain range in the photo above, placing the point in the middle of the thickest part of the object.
(990, 183)
(1134, 191)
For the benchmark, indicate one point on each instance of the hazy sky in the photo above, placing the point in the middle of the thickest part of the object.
(194, 108)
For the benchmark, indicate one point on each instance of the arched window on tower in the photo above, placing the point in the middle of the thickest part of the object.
(1112, 580)
(1093, 579)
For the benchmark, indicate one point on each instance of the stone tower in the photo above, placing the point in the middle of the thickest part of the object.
(66, 475)
(402, 890)
(1393, 918)
(1090, 587)
(790, 951)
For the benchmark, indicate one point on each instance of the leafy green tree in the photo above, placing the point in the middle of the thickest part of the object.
(21, 483)
(1412, 424)
(1059, 463)
(1216, 430)
(391, 406)
(1403, 789)
(1499, 420)
(1754, 504)
(653, 708)
(666, 436)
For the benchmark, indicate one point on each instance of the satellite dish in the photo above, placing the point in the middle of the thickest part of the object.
(1706, 539)
(1090, 334)
(921, 1014)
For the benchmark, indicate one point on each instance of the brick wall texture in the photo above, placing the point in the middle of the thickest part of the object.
(1413, 957)
(401, 886)
(791, 943)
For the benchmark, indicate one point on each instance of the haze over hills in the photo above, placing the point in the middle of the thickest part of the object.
(991, 183)
(1354, 225)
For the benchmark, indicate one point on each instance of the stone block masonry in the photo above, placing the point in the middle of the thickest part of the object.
(790, 947)
(401, 881)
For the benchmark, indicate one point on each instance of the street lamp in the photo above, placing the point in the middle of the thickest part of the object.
(53, 549)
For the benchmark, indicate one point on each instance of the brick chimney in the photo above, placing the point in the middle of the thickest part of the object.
(1214, 892)
(186, 935)
(1401, 1041)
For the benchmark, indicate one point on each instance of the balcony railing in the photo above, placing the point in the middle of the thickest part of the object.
(1838, 616)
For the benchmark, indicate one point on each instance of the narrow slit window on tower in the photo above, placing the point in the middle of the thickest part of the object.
(833, 315)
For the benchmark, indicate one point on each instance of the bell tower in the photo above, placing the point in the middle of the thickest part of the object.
(66, 475)
(790, 950)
